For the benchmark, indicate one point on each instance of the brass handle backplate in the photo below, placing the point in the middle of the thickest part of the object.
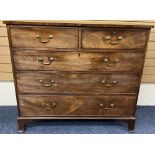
(114, 40)
(44, 41)
(109, 84)
(48, 106)
(45, 60)
(111, 63)
(47, 83)
(105, 107)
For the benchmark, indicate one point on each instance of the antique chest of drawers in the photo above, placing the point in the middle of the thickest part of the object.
(77, 69)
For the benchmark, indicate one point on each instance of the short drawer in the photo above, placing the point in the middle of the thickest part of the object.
(67, 82)
(78, 61)
(114, 38)
(44, 37)
(59, 105)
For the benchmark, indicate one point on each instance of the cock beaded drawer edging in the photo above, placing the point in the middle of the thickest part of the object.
(77, 69)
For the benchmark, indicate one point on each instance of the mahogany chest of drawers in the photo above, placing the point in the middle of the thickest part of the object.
(77, 69)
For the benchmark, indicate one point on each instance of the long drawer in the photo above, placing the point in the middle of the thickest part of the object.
(53, 105)
(44, 37)
(67, 82)
(114, 38)
(78, 61)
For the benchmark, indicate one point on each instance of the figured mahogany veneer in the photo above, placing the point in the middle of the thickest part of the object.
(78, 61)
(59, 82)
(67, 105)
(44, 37)
(77, 70)
(114, 38)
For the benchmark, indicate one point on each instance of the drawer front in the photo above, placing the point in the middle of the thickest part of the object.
(44, 37)
(78, 61)
(60, 82)
(54, 105)
(114, 38)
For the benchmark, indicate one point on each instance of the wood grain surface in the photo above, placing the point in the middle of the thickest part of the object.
(88, 83)
(87, 23)
(53, 105)
(148, 74)
(61, 37)
(78, 61)
(98, 38)
(80, 77)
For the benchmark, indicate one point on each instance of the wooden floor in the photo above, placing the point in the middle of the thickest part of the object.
(149, 70)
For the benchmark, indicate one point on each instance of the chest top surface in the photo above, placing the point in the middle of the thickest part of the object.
(77, 23)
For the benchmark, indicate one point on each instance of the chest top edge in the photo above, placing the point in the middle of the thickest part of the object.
(80, 23)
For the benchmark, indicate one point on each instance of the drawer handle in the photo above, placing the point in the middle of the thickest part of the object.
(47, 83)
(45, 60)
(117, 41)
(44, 41)
(106, 108)
(109, 84)
(48, 106)
(109, 63)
